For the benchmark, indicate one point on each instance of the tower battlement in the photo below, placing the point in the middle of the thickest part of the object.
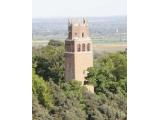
(77, 22)
(77, 28)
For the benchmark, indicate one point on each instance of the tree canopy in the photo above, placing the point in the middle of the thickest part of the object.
(54, 98)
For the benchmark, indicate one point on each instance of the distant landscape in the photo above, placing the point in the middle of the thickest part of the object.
(104, 31)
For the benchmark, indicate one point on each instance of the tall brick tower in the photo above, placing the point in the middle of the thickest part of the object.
(78, 50)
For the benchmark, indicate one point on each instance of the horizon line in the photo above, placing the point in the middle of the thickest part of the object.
(78, 17)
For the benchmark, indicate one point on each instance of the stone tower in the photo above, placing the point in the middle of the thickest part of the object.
(78, 50)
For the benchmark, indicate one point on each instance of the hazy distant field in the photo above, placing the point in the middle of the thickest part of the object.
(105, 47)
(39, 43)
(102, 29)
(109, 47)
(108, 34)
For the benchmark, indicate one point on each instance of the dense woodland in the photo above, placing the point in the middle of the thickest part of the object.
(55, 99)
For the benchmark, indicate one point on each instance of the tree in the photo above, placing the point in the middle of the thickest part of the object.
(54, 98)
(109, 73)
(41, 90)
(50, 63)
(55, 43)
(38, 111)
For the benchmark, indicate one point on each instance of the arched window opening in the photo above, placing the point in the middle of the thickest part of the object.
(79, 47)
(70, 35)
(88, 47)
(82, 35)
(69, 48)
(72, 47)
(83, 47)
(75, 34)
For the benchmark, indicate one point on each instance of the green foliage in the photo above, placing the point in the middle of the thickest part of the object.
(74, 114)
(49, 62)
(120, 65)
(67, 102)
(109, 74)
(41, 90)
(72, 89)
(54, 99)
(55, 43)
(38, 111)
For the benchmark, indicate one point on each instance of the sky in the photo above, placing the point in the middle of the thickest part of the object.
(78, 8)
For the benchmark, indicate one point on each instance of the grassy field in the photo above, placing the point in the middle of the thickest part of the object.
(97, 47)
(39, 43)
(109, 47)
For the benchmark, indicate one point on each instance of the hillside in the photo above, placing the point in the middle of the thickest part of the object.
(56, 99)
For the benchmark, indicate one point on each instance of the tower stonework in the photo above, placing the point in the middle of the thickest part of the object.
(78, 51)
